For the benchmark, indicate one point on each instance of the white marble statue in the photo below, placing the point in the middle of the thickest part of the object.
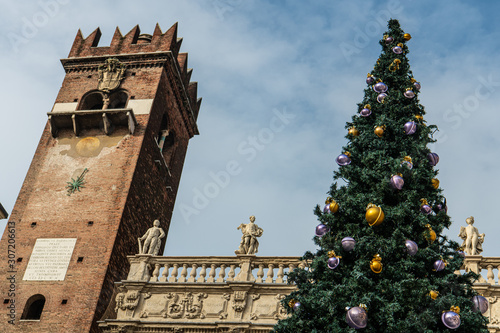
(249, 243)
(473, 240)
(152, 239)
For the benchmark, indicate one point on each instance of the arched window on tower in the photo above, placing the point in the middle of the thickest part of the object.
(118, 100)
(92, 101)
(33, 308)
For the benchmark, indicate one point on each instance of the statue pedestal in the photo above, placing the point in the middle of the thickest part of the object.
(245, 274)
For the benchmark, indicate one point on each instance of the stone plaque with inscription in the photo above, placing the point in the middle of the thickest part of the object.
(49, 259)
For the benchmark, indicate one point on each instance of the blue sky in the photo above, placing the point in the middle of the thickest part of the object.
(279, 80)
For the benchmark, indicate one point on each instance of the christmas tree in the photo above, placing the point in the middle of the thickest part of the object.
(383, 264)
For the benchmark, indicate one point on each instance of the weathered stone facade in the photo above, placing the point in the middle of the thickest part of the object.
(201, 294)
(229, 294)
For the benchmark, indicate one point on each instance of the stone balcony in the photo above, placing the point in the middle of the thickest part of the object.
(489, 287)
(200, 294)
(234, 294)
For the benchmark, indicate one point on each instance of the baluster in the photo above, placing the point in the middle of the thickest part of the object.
(280, 274)
(231, 274)
(260, 274)
(164, 274)
(270, 274)
(291, 267)
(192, 276)
(203, 273)
(490, 276)
(211, 275)
(222, 273)
(184, 273)
(175, 271)
(156, 272)
(498, 268)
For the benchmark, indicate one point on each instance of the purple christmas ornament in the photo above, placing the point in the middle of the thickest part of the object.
(426, 209)
(442, 207)
(380, 87)
(397, 182)
(410, 127)
(389, 40)
(411, 247)
(356, 317)
(296, 306)
(380, 97)
(333, 262)
(409, 93)
(416, 85)
(370, 80)
(348, 243)
(433, 158)
(321, 230)
(479, 304)
(397, 49)
(365, 112)
(343, 160)
(326, 210)
(439, 265)
(451, 319)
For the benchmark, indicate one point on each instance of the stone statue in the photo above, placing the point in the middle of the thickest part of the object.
(249, 243)
(473, 240)
(152, 239)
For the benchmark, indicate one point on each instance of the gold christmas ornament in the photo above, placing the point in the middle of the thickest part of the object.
(353, 131)
(292, 303)
(434, 294)
(376, 264)
(328, 200)
(347, 153)
(374, 215)
(332, 254)
(334, 206)
(400, 45)
(455, 309)
(435, 183)
(379, 131)
(407, 37)
(394, 66)
(430, 234)
(367, 106)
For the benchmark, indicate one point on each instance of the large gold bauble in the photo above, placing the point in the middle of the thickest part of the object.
(334, 206)
(407, 36)
(430, 234)
(435, 183)
(379, 131)
(374, 215)
(376, 264)
(353, 131)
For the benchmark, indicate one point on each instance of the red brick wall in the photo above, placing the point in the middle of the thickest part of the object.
(127, 187)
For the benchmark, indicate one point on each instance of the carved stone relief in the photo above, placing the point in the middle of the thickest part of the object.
(185, 305)
(239, 302)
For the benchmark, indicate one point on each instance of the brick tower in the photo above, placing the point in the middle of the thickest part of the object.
(108, 164)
